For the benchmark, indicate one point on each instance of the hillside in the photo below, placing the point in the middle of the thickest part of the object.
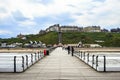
(111, 39)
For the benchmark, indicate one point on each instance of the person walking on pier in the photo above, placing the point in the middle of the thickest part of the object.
(72, 49)
(68, 48)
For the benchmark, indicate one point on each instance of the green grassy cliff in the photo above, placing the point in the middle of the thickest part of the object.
(110, 39)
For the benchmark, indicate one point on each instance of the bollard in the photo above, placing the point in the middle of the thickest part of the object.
(14, 63)
(104, 63)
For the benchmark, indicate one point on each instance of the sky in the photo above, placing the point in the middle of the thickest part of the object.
(30, 16)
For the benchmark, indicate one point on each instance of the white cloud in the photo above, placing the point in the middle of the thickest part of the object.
(27, 23)
(32, 9)
(83, 12)
(105, 13)
(5, 32)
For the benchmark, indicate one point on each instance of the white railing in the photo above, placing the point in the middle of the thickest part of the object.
(100, 62)
(13, 62)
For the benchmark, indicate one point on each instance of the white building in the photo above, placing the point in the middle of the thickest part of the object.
(92, 29)
(53, 28)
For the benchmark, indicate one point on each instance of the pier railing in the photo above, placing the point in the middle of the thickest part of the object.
(12, 62)
(96, 61)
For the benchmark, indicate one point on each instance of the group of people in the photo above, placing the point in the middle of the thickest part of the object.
(70, 49)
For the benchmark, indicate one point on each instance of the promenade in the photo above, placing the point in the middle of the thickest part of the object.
(60, 66)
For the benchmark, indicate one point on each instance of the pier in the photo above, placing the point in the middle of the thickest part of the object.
(60, 66)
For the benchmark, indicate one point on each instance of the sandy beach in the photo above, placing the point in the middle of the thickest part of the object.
(21, 50)
(111, 49)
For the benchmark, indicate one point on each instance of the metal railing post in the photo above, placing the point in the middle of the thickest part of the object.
(96, 62)
(23, 62)
(14, 63)
(84, 55)
(38, 56)
(93, 60)
(35, 57)
(81, 55)
(88, 57)
(104, 63)
(32, 58)
(27, 61)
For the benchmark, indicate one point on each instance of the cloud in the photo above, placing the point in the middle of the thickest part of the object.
(5, 32)
(22, 16)
(45, 2)
(27, 23)
(2, 10)
(105, 13)
(18, 16)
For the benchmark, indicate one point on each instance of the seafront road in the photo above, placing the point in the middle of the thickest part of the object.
(60, 66)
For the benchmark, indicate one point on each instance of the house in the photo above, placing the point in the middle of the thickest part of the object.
(92, 29)
(53, 28)
(42, 32)
(73, 45)
(3, 45)
(58, 28)
(92, 45)
(70, 29)
(21, 36)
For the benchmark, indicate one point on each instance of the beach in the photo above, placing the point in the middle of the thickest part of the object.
(105, 49)
(20, 50)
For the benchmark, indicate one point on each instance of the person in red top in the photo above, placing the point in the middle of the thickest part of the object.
(44, 52)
